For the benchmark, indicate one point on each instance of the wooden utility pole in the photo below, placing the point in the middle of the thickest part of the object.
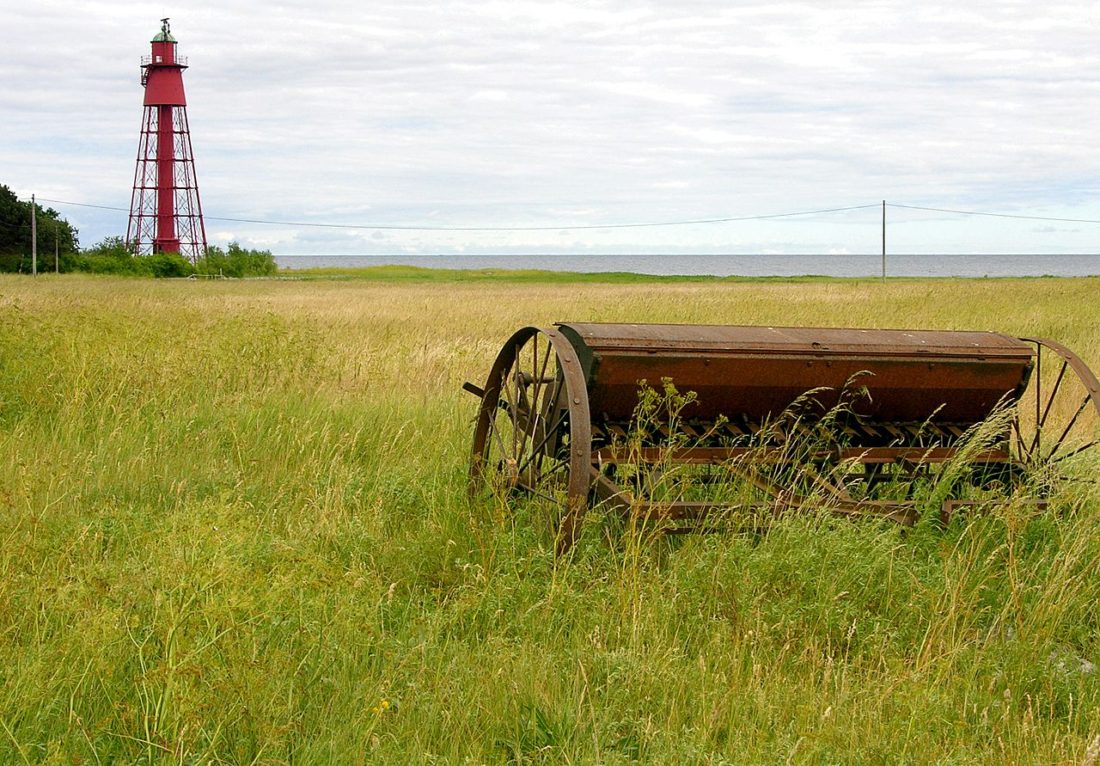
(884, 241)
(34, 238)
(56, 258)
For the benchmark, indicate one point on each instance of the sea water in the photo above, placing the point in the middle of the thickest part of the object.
(769, 265)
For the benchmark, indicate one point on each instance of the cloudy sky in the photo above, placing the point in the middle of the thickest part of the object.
(559, 114)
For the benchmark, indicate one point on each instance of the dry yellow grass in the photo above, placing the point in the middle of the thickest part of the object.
(234, 530)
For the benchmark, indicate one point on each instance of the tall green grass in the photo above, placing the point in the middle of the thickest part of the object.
(234, 529)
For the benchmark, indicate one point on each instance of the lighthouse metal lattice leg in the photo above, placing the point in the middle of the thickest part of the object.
(166, 216)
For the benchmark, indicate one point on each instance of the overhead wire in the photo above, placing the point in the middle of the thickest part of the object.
(994, 215)
(558, 227)
(596, 226)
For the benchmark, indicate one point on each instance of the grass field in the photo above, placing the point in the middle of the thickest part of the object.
(234, 530)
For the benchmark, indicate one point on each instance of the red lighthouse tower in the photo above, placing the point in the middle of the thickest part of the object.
(165, 212)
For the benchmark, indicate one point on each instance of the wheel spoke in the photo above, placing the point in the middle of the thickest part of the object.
(530, 430)
(1038, 391)
(541, 379)
(543, 495)
(533, 403)
(1041, 422)
(1024, 451)
(548, 433)
(1077, 451)
(514, 412)
(1054, 392)
(539, 483)
(1078, 479)
(1069, 426)
(513, 418)
(558, 465)
(496, 433)
(537, 450)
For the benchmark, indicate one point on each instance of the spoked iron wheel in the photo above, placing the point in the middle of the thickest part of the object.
(1057, 421)
(533, 434)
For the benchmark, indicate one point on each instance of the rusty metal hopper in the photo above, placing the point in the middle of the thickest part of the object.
(756, 372)
(823, 417)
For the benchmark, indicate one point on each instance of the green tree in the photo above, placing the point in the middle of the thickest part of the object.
(13, 220)
(15, 236)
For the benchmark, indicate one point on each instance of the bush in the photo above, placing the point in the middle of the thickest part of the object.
(113, 256)
(110, 256)
(236, 261)
(166, 265)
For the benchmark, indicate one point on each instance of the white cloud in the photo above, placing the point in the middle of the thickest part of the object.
(551, 113)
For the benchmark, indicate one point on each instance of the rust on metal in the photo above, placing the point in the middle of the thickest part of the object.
(800, 417)
(757, 372)
(773, 455)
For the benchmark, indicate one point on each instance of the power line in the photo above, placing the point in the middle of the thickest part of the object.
(84, 204)
(584, 227)
(395, 227)
(555, 228)
(994, 215)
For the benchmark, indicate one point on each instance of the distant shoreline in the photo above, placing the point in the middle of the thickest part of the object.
(402, 273)
(717, 266)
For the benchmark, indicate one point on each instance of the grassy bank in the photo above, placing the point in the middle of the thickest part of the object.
(397, 273)
(235, 530)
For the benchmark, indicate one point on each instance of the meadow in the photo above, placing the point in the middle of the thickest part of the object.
(234, 529)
